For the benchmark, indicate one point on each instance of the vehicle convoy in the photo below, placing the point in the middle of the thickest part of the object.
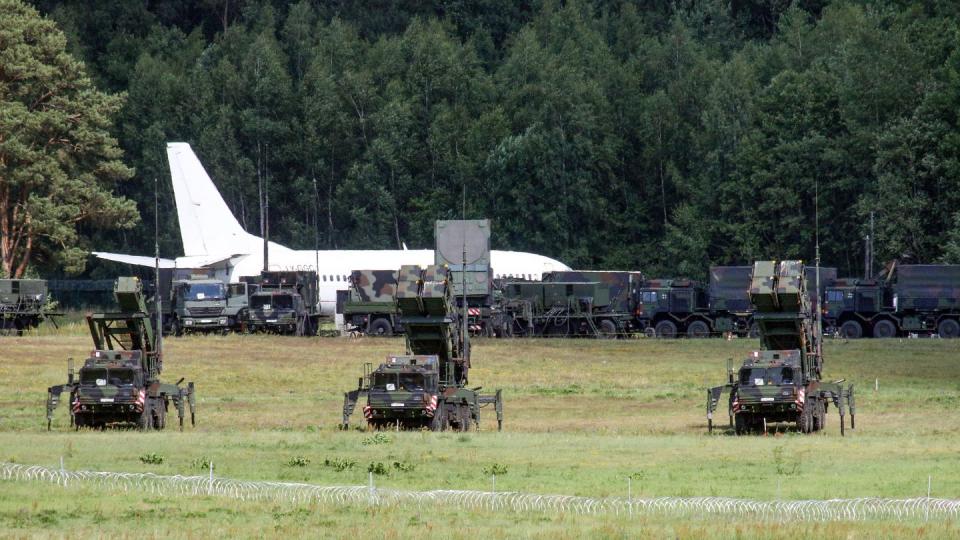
(781, 383)
(120, 382)
(370, 306)
(23, 304)
(904, 299)
(559, 309)
(427, 386)
(201, 304)
(286, 303)
(463, 247)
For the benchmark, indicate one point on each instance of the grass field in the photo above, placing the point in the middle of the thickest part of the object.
(581, 417)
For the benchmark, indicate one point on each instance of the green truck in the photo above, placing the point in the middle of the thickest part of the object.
(427, 386)
(205, 305)
(782, 382)
(23, 304)
(119, 384)
(559, 309)
(287, 303)
(904, 299)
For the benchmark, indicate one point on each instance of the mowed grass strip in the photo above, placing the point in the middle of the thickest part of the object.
(581, 416)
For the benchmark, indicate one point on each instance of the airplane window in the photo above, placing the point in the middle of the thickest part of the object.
(324, 277)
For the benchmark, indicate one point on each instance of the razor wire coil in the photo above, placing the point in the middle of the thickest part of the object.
(854, 509)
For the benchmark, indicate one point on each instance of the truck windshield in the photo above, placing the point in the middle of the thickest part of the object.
(766, 376)
(383, 381)
(411, 382)
(121, 377)
(203, 291)
(91, 376)
(274, 301)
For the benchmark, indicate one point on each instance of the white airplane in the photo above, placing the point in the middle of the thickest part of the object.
(213, 239)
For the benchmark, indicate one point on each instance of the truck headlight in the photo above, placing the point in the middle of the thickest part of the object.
(188, 322)
(223, 321)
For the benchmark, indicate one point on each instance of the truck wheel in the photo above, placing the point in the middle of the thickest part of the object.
(666, 329)
(851, 330)
(145, 420)
(949, 329)
(740, 424)
(805, 422)
(884, 329)
(380, 327)
(608, 329)
(698, 329)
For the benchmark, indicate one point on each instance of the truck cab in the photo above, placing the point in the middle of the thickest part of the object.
(111, 390)
(199, 305)
(404, 389)
(770, 388)
(666, 307)
(275, 311)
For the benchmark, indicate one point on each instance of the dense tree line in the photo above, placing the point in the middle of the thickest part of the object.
(660, 135)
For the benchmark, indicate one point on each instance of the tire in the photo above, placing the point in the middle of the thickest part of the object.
(608, 329)
(851, 330)
(740, 425)
(884, 329)
(650, 332)
(698, 329)
(948, 329)
(381, 328)
(666, 329)
(145, 420)
(805, 422)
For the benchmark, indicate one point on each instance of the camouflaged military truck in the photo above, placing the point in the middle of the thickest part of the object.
(904, 299)
(559, 309)
(371, 307)
(427, 386)
(286, 303)
(622, 288)
(120, 382)
(22, 304)
(781, 383)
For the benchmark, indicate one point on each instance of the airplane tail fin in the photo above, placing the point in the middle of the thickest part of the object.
(207, 226)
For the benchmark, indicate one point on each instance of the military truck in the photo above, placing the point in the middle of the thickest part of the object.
(205, 305)
(286, 303)
(559, 309)
(668, 307)
(904, 299)
(120, 382)
(781, 383)
(463, 246)
(623, 287)
(370, 307)
(427, 386)
(23, 304)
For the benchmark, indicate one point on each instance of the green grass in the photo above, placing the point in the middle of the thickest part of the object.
(581, 416)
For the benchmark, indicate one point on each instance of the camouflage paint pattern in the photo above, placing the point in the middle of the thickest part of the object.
(620, 285)
(373, 285)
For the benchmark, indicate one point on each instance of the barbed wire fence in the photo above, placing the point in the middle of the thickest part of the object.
(926, 509)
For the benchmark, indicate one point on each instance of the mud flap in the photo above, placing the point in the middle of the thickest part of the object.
(713, 399)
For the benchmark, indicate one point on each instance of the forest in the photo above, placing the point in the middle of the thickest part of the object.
(651, 134)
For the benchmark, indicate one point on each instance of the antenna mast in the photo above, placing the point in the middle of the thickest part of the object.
(818, 320)
(156, 265)
(463, 276)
